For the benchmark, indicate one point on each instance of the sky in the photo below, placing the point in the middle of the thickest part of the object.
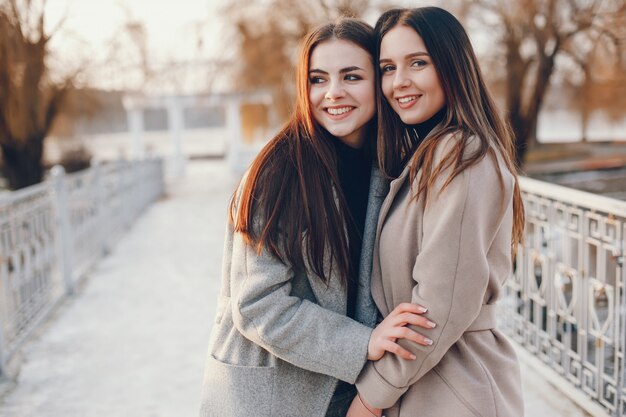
(93, 31)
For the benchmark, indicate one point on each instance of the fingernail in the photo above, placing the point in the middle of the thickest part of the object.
(428, 342)
(413, 357)
(430, 324)
(422, 309)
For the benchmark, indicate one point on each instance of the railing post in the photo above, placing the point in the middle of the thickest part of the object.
(96, 166)
(63, 223)
(3, 365)
(132, 198)
(122, 181)
(3, 309)
(138, 185)
(140, 191)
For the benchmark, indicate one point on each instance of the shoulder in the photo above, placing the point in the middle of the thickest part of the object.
(448, 142)
(485, 161)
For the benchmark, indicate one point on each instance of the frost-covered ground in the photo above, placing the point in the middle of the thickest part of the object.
(132, 342)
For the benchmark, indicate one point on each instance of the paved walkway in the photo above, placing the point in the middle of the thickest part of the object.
(132, 342)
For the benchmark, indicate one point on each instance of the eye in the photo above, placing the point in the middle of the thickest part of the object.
(418, 63)
(387, 68)
(353, 77)
(316, 80)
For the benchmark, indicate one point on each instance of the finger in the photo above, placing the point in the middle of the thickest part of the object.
(408, 334)
(414, 319)
(398, 350)
(409, 308)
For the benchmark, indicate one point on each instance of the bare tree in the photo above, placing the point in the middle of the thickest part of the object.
(267, 45)
(29, 99)
(603, 84)
(533, 36)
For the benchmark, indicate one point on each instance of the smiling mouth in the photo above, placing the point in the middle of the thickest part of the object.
(407, 101)
(339, 111)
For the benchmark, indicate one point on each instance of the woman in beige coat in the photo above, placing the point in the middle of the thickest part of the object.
(447, 228)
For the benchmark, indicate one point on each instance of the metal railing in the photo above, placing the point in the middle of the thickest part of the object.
(565, 303)
(52, 233)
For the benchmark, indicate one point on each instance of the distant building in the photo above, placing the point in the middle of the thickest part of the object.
(110, 125)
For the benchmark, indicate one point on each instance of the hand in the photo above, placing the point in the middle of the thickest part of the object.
(359, 408)
(393, 327)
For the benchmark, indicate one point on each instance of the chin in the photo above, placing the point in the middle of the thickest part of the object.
(412, 120)
(339, 133)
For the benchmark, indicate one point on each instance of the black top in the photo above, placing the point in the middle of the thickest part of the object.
(354, 168)
(423, 129)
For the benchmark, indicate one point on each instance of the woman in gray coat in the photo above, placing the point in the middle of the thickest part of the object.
(294, 317)
(447, 228)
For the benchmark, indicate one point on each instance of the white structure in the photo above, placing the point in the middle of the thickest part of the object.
(238, 152)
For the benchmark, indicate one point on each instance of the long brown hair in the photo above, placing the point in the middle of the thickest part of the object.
(287, 203)
(470, 110)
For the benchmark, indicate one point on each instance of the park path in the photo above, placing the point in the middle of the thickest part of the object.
(132, 341)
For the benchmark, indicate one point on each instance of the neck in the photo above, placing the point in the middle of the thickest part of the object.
(424, 128)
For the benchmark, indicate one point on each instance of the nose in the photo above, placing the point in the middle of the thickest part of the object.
(400, 80)
(335, 91)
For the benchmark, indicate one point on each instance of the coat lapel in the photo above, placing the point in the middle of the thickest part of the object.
(394, 187)
(366, 311)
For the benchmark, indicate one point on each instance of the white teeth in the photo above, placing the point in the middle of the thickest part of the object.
(337, 112)
(405, 100)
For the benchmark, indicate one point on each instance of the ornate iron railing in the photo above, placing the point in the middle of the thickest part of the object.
(52, 233)
(564, 303)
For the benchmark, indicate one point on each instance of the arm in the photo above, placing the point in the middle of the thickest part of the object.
(451, 275)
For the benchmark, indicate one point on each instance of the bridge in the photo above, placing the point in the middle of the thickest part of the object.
(124, 332)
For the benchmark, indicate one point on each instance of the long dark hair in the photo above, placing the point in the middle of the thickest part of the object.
(470, 109)
(287, 203)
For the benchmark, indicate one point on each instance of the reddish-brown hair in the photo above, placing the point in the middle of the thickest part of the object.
(288, 202)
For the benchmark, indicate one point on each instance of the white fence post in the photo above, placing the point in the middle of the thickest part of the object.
(3, 311)
(96, 166)
(3, 358)
(63, 221)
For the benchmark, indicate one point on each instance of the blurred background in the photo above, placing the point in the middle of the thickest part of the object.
(91, 79)
(125, 125)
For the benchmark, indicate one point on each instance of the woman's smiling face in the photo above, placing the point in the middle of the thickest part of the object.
(409, 79)
(341, 89)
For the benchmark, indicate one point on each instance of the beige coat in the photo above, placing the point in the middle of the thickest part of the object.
(453, 256)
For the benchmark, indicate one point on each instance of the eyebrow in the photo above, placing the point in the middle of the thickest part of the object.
(413, 55)
(341, 71)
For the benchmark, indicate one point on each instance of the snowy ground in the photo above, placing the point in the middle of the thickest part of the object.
(132, 342)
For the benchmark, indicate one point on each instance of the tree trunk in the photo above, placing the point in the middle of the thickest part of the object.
(517, 69)
(23, 167)
(524, 120)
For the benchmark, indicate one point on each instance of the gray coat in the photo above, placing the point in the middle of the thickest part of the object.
(281, 338)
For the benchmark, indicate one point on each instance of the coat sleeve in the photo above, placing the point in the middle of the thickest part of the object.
(451, 275)
(296, 330)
